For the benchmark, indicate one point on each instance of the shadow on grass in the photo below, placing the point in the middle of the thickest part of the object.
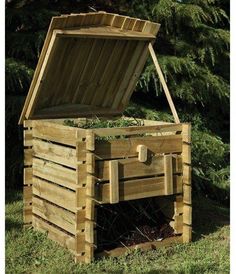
(11, 224)
(208, 216)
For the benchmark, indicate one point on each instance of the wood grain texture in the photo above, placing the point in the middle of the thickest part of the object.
(168, 173)
(144, 246)
(54, 173)
(54, 214)
(129, 168)
(114, 181)
(54, 193)
(140, 188)
(127, 147)
(55, 153)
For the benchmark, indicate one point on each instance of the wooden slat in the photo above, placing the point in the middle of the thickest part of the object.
(80, 219)
(55, 194)
(55, 132)
(130, 72)
(27, 176)
(80, 197)
(186, 154)
(132, 130)
(143, 246)
(137, 189)
(54, 233)
(168, 173)
(104, 33)
(130, 85)
(187, 170)
(117, 72)
(129, 168)
(27, 194)
(114, 181)
(27, 214)
(187, 214)
(45, 65)
(187, 193)
(127, 147)
(187, 233)
(54, 214)
(28, 156)
(27, 137)
(55, 153)
(54, 173)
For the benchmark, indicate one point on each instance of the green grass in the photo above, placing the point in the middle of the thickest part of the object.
(28, 251)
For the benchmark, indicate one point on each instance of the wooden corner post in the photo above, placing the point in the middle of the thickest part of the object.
(28, 174)
(85, 212)
(90, 199)
(187, 197)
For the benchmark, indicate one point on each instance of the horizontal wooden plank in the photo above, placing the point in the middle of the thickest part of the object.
(137, 189)
(27, 194)
(28, 137)
(54, 214)
(54, 233)
(55, 132)
(55, 153)
(28, 156)
(28, 176)
(143, 246)
(137, 130)
(129, 168)
(54, 173)
(104, 33)
(55, 194)
(127, 147)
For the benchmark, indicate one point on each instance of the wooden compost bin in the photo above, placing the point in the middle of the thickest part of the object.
(89, 66)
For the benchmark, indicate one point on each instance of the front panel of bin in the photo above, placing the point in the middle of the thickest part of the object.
(123, 175)
(89, 66)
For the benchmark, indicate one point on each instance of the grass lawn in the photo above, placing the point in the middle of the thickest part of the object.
(28, 251)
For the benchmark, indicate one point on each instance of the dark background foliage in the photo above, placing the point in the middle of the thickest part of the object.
(193, 50)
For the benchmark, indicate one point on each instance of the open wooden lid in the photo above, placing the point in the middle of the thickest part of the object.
(89, 66)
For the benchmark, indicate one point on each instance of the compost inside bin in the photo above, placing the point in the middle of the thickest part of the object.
(130, 223)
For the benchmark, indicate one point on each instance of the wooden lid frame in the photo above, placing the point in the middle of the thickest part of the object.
(89, 66)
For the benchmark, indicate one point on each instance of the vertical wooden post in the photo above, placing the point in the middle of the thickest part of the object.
(114, 181)
(187, 200)
(80, 221)
(90, 192)
(28, 176)
(168, 173)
